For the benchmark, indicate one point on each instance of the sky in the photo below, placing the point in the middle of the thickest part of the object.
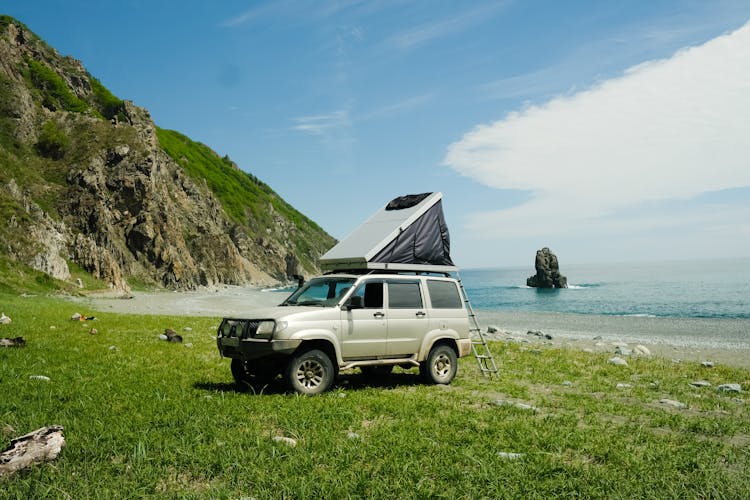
(606, 131)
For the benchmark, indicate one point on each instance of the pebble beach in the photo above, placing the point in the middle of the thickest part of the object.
(719, 340)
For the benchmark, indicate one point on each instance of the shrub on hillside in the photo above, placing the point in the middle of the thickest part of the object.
(53, 142)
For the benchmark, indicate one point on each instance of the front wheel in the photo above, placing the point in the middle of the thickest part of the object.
(310, 372)
(440, 366)
(258, 374)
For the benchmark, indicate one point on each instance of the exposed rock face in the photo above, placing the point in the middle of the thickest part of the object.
(547, 271)
(88, 181)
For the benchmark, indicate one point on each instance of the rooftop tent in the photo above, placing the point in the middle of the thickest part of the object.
(408, 234)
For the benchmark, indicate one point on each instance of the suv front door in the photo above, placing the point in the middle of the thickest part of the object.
(365, 330)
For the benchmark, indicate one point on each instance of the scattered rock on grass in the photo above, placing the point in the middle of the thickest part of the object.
(729, 388)
(617, 361)
(623, 386)
(16, 342)
(623, 351)
(4, 320)
(80, 317)
(509, 456)
(707, 364)
(672, 403)
(520, 406)
(93, 331)
(285, 440)
(641, 350)
(538, 333)
(171, 336)
(701, 383)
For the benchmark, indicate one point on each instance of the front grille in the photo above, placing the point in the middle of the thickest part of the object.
(240, 328)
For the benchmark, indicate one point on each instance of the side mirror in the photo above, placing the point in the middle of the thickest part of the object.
(354, 302)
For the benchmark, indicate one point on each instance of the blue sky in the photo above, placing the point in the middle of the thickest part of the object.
(608, 131)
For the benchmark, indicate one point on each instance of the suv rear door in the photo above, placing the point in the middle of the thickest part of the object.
(447, 307)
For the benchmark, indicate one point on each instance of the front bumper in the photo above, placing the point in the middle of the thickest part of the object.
(247, 349)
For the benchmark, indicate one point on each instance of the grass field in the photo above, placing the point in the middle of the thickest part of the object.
(146, 418)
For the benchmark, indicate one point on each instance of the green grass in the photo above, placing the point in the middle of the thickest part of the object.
(54, 92)
(143, 417)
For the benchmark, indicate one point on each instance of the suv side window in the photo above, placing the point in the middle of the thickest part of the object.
(444, 294)
(371, 293)
(404, 295)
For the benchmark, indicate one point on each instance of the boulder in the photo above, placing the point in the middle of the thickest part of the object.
(547, 271)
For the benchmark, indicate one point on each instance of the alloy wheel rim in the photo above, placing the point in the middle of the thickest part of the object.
(310, 374)
(442, 366)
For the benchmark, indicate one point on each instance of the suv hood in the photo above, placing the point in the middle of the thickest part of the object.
(285, 312)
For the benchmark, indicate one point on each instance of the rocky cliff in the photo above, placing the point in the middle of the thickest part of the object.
(90, 181)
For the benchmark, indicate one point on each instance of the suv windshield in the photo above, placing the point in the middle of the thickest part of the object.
(322, 292)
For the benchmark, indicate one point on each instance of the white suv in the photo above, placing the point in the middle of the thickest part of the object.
(340, 321)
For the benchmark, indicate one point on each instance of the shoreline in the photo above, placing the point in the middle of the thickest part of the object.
(720, 340)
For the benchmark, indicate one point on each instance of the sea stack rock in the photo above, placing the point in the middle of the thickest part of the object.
(547, 271)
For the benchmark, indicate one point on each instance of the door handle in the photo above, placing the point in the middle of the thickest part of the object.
(378, 315)
(421, 314)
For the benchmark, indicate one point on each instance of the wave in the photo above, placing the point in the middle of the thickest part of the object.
(584, 285)
(279, 289)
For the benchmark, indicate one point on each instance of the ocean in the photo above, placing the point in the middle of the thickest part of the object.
(678, 289)
(694, 304)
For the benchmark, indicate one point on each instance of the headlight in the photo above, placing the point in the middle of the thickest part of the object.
(266, 329)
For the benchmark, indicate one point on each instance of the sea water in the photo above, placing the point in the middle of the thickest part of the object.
(680, 289)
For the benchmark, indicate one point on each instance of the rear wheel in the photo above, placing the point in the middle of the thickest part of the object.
(440, 366)
(310, 372)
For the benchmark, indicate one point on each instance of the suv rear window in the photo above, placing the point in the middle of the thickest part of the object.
(444, 294)
(404, 295)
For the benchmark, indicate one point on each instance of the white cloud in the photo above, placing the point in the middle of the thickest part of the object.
(667, 129)
(407, 104)
(428, 32)
(322, 125)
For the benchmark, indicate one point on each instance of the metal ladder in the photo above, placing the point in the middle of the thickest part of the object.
(478, 342)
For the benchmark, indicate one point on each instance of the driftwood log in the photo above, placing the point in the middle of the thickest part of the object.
(39, 446)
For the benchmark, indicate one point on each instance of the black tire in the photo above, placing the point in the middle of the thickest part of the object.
(258, 374)
(377, 372)
(440, 366)
(241, 372)
(310, 372)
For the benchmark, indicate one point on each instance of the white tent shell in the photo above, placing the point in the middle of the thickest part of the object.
(408, 234)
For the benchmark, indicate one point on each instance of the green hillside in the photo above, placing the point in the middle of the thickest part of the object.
(95, 191)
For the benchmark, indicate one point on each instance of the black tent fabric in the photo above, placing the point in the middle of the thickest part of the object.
(406, 201)
(425, 242)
